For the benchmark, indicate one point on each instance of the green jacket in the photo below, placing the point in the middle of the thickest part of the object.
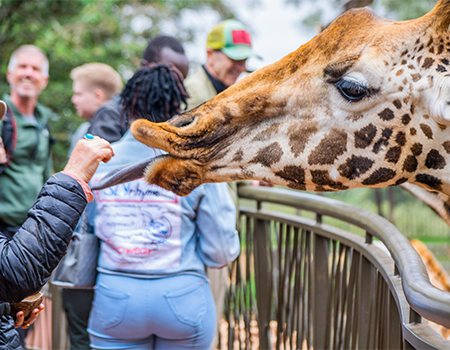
(199, 88)
(30, 167)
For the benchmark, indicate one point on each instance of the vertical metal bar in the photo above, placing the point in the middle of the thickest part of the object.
(298, 291)
(344, 290)
(287, 284)
(248, 290)
(365, 289)
(337, 299)
(414, 317)
(292, 290)
(351, 296)
(369, 237)
(320, 289)
(279, 301)
(329, 330)
(375, 315)
(395, 325)
(228, 312)
(308, 290)
(263, 280)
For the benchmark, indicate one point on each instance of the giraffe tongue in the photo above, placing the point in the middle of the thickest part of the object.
(125, 173)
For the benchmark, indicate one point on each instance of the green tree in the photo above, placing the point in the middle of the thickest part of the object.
(406, 10)
(75, 32)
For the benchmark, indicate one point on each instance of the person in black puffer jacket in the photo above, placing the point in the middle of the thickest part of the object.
(28, 259)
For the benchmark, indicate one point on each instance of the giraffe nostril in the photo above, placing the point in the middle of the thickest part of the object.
(182, 120)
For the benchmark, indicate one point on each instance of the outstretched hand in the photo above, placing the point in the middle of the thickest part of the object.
(20, 319)
(3, 158)
(86, 157)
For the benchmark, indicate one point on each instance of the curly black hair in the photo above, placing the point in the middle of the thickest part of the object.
(154, 93)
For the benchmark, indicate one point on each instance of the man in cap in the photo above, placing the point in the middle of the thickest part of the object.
(227, 49)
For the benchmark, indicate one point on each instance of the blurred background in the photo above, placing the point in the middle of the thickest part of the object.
(116, 32)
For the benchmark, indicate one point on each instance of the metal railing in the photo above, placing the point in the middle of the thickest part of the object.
(301, 284)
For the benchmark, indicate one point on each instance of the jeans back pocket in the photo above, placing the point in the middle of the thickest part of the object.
(110, 306)
(189, 304)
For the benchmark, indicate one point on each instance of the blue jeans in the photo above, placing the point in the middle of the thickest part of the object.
(166, 313)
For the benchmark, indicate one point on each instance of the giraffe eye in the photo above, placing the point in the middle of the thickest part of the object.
(352, 91)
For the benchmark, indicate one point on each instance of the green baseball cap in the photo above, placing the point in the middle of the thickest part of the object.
(232, 38)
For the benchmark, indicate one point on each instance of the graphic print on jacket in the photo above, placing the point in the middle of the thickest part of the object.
(140, 226)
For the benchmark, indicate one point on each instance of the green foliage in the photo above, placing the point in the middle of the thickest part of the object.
(409, 9)
(75, 32)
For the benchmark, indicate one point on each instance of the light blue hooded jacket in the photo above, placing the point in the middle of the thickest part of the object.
(148, 232)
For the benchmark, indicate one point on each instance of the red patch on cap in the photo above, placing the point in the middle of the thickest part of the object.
(241, 37)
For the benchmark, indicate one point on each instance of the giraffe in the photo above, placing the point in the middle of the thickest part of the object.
(366, 103)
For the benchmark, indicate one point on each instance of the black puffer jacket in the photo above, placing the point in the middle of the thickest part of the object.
(28, 260)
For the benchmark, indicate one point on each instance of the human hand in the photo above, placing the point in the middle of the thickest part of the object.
(2, 152)
(20, 319)
(86, 157)
(2, 109)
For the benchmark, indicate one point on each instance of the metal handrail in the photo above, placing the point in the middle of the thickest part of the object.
(423, 297)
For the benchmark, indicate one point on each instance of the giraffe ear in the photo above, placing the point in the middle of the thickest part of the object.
(439, 16)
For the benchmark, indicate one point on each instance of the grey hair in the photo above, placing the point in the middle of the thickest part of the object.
(13, 60)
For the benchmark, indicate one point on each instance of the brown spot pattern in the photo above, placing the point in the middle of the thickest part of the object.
(384, 140)
(397, 104)
(322, 178)
(410, 164)
(386, 114)
(416, 149)
(393, 154)
(400, 181)
(246, 173)
(294, 174)
(400, 138)
(434, 160)
(406, 119)
(426, 130)
(446, 146)
(416, 77)
(238, 156)
(365, 136)
(427, 62)
(355, 166)
(429, 180)
(329, 149)
(268, 155)
(379, 176)
(299, 137)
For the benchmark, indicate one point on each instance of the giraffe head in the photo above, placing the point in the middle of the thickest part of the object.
(366, 103)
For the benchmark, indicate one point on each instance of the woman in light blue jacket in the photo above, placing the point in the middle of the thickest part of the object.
(152, 291)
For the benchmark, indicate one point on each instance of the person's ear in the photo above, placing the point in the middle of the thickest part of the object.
(209, 54)
(45, 82)
(100, 95)
(9, 76)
